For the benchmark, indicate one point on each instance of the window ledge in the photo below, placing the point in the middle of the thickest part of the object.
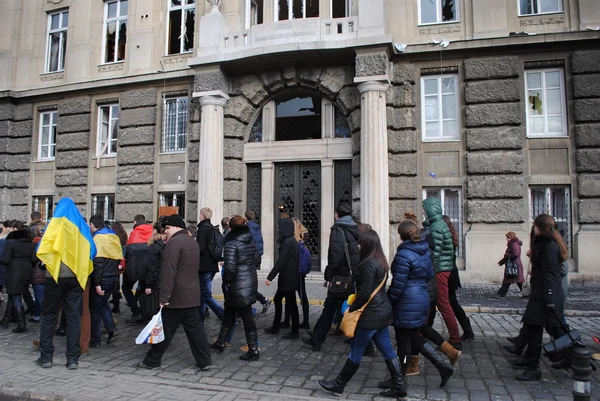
(44, 160)
(441, 140)
(179, 152)
(424, 24)
(111, 156)
(548, 13)
(547, 136)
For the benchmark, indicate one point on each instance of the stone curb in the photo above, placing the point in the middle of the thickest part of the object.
(11, 391)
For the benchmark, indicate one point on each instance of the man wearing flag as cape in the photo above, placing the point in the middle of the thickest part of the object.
(68, 251)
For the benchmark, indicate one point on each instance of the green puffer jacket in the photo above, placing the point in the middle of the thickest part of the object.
(444, 247)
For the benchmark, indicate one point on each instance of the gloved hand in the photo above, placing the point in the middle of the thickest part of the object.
(550, 307)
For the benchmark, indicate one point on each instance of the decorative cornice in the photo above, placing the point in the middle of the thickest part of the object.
(52, 77)
(542, 21)
(439, 30)
(369, 86)
(111, 67)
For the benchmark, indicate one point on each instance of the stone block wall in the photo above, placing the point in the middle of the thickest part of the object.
(585, 66)
(191, 196)
(16, 130)
(494, 160)
(134, 192)
(73, 149)
(402, 141)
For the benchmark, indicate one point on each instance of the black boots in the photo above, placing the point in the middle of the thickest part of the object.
(253, 353)
(337, 386)
(532, 364)
(7, 314)
(446, 370)
(219, 345)
(398, 389)
(21, 321)
(465, 324)
(516, 348)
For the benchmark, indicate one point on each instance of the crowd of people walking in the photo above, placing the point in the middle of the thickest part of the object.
(75, 267)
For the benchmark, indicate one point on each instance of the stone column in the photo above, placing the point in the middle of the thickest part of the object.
(374, 181)
(327, 207)
(210, 171)
(267, 217)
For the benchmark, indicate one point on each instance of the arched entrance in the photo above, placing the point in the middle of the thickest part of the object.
(298, 163)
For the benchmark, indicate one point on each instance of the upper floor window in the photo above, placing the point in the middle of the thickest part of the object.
(47, 139)
(182, 17)
(341, 8)
(546, 103)
(57, 41)
(437, 11)
(104, 205)
(440, 109)
(43, 205)
(108, 126)
(294, 9)
(115, 30)
(168, 200)
(528, 7)
(175, 116)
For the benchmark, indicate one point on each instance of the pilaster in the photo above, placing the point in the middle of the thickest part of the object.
(267, 215)
(327, 206)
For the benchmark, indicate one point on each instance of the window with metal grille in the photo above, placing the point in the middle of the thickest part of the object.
(182, 16)
(104, 205)
(555, 201)
(253, 189)
(115, 31)
(47, 139)
(343, 181)
(451, 199)
(56, 45)
(175, 116)
(176, 199)
(108, 126)
(44, 205)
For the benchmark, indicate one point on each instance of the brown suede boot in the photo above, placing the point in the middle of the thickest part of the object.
(413, 366)
(452, 353)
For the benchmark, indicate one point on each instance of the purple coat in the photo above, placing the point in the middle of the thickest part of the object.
(513, 251)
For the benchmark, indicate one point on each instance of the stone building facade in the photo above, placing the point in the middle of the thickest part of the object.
(493, 106)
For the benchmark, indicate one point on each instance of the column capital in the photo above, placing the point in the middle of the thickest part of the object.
(368, 84)
(217, 97)
(267, 165)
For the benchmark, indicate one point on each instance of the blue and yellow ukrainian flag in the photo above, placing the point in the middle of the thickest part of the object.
(68, 240)
(108, 244)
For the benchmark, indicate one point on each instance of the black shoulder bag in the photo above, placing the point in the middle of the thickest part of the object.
(561, 347)
(342, 284)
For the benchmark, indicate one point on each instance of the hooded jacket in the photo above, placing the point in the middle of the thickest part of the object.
(408, 293)
(443, 259)
(136, 251)
(513, 252)
(239, 273)
(287, 266)
(18, 256)
(256, 237)
(344, 230)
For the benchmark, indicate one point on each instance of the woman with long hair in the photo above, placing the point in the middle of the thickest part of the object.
(18, 256)
(374, 320)
(239, 274)
(545, 306)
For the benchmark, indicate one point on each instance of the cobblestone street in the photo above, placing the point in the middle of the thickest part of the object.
(286, 370)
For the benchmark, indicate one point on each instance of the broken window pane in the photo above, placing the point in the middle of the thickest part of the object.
(188, 38)
(448, 10)
(174, 31)
(122, 40)
(111, 35)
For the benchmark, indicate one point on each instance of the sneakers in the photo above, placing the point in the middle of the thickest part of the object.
(72, 365)
(95, 345)
(32, 320)
(202, 368)
(44, 363)
(142, 365)
(266, 306)
(313, 345)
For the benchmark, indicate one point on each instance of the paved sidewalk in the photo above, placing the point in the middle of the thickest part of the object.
(286, 370)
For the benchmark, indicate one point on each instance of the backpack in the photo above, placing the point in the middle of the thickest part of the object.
(305, 263)
(215, 245)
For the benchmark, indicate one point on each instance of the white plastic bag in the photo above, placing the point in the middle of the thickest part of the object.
(153, 333)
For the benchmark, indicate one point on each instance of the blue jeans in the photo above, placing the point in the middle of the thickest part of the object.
(362, 337)
(38, 292)
(206, 299)
(17, 300)
(99, 309)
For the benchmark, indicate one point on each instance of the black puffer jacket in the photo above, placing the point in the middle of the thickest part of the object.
(378, 314)
(288, 262)
(239, 271)
(203, 237)
(155, 255)
(337, 264)
(18, 257)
